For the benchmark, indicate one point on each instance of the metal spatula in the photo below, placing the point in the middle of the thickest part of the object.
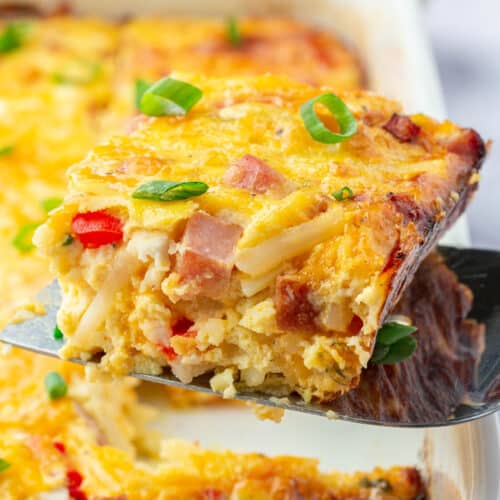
(478, 269)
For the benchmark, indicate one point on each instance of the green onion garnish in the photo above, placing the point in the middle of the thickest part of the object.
(233, 32)
(339, 110)
(22, 240)
(55, 385)
(342, 194)
(379, 353)
(169, 97)
(394, 343)
(399, 351)
(13, 36)
(50, 203)
(169, 191)
(4, 465)
(140, 87)
(6, 150)
(68, 239)
(58, 335)
(79, 72)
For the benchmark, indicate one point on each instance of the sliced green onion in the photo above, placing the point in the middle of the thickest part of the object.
(393, 331)
(342, 194)
(55, 385)
(169, 97)
(50, 203)
(79, 72)
(6, 150)
(4, 465)
(399, 351)
(68, 239)
(169, 191)
(140, 87)
(58, 335)
(394, 343)
(23, 239)
(233, 32)
(339, 110)
(13, 36)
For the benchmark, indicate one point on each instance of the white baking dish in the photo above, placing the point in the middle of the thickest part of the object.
(462, 462)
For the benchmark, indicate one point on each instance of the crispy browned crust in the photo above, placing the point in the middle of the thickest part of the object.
(468, 153)
(14, 9)
(431, 384)
(28, 9)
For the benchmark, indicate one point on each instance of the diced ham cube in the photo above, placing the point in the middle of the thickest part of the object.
(467, 150)
(254, 175)
(294, 310)
(468, 145)
(207, 255)
(402, 128)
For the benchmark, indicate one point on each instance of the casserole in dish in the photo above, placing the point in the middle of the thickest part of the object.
(75, 439)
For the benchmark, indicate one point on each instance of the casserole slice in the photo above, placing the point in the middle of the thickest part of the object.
(230, 242)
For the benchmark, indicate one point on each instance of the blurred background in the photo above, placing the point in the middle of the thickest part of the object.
(466, 39)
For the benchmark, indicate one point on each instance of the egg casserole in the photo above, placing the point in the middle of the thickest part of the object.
(269, 280)
(82, 443)
(66, 82)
